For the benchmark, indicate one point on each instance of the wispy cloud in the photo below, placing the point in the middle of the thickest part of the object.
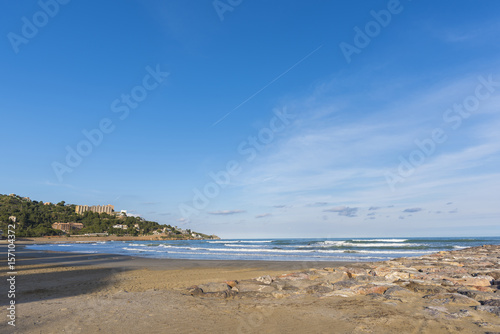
(317, 204)
(318, 154)
(334, 153)
(343, 211)
(263, 215)
(226, 212)
(479, 33)
(413, 210)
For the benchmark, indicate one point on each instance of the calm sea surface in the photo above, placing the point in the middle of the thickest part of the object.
(341, 249)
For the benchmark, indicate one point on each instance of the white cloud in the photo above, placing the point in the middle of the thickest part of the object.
(413, 210)
(343, 211)
(226, 212)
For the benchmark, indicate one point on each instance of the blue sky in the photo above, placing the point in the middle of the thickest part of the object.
(256, 118)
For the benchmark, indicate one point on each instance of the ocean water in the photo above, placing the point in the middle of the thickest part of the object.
(331, 249)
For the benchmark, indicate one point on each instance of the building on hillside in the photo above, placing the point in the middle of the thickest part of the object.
(109, 209)
(67, 227)
(47, 203)
(120, 226)
(82, 208)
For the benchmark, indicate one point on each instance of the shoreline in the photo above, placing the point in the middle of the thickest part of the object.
(106, 260)
(441, 292)
(269, 252)
(89, 239)
(285, 264)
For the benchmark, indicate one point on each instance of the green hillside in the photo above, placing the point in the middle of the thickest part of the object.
(35, 219)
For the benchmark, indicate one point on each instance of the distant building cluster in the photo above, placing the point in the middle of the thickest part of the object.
(67, 227)
(109, 209)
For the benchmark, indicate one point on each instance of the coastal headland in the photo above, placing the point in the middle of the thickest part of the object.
(83, 238)
(446, 292)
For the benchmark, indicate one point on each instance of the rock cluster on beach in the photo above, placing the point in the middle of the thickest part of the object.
(453, 284)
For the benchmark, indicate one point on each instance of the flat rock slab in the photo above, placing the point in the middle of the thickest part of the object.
(265, 279)
(253, 287)
(214, 287)
(478, 295)
(321, 289)
(492, 309)
(491, 302)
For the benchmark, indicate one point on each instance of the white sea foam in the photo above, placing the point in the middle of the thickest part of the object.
(238, 241)
(285, 256)
(402, 252)
(380, 240)
(257, 241)
(383, 244)
(141, 250)
(253, 250)
(329, 243)
(330, 251)
(335, 251)
(223, 242)
(237, 245)
(238, 254)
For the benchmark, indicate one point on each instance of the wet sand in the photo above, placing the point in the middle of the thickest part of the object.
(60, 292)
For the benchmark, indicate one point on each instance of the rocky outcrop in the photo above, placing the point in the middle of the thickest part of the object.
(214, 287)
(467, 279)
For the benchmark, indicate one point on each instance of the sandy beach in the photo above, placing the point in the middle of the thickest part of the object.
(60, 292)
